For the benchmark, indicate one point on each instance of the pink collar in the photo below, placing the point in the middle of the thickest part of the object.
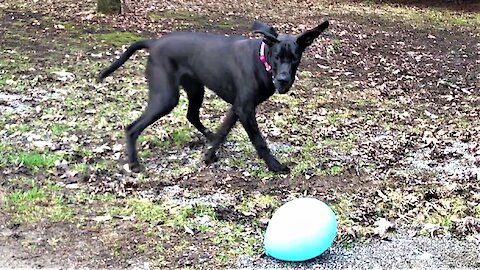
(263, 59)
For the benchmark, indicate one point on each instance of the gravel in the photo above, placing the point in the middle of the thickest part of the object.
(460, 160)
(399, 251)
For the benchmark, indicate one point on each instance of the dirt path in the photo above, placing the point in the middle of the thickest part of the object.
(398, 251)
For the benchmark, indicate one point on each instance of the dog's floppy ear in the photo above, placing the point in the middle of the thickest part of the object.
(268, 32)
(306, 39)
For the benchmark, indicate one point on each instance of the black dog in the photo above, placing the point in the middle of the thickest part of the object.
(244, 72)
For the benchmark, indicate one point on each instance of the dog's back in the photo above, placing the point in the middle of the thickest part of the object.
(211, 59)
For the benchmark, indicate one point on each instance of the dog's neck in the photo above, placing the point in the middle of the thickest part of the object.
(263, 58)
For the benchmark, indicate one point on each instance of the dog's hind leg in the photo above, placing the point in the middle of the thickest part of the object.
(163, 96)
(221, 135)
(195, 92)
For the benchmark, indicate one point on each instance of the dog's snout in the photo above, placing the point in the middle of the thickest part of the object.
(283, 78)
(282, 83)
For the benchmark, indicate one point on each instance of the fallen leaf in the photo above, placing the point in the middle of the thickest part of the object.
(102, 218)
(188, 230)
(382, 226)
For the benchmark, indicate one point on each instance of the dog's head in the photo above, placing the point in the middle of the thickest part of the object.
(285, 52)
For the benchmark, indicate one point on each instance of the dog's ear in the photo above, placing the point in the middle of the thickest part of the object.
(306, 39)
(268, 32)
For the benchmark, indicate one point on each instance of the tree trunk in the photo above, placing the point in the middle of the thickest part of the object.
(109, 6)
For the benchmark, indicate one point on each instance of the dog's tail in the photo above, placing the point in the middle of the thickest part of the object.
(123, 58)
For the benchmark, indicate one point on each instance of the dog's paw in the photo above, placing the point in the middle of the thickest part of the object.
(133, 167)
(278, 167)
(282, 169)
(210, 157)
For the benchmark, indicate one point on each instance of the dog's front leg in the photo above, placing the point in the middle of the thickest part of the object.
(221, 135)
(249, 122)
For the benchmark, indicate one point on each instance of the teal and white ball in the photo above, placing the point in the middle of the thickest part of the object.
(300, 230)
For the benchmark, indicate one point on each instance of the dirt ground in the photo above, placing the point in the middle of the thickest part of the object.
(382, 124)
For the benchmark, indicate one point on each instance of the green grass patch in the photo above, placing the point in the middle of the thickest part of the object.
(59, 129)
(154, 141)
(104, 165)
(181, 216)
(154, 213)
(257, 172)
(142, 209)
(15, 63)
(22, 127)
(68, 26)
(476, 211)
(216, 104)
(145, 153)
(174, 14)
(140, 248)
(439, 17)
(343, 208)
(262, 205)
(236, 239)
(345, 144)
(105, 197)
(335, 170)
(83, 196)
(446, 210)
(307, 160)
(333, 47)
(4, 77)
(464, 124)
(4, 154)
(35, 160)
(80, 167)
(424, 16)
(334, 118)
(119, 38)
(182, 136)
(36, 203)
(226, 25)
(177, 170)
(148, 211)
(180, 111)
(19, 24)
